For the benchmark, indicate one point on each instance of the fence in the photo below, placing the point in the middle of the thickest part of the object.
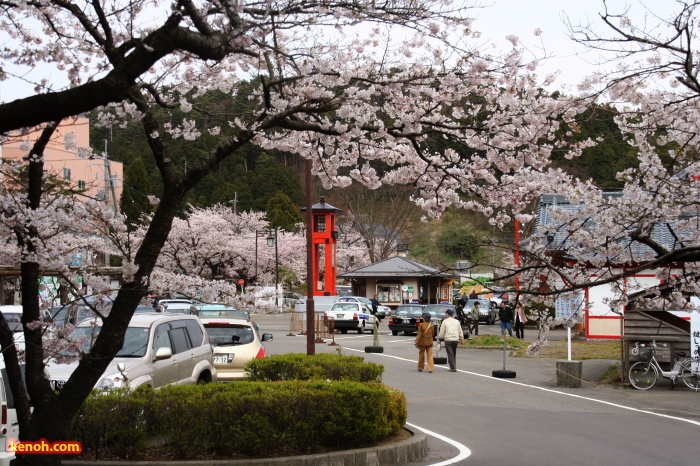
(323, 327)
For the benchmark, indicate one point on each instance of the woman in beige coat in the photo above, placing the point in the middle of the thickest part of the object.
(424, 343)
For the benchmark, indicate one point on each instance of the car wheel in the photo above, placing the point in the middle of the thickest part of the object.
(343, 330)
(202, 381)
(394, 332)
(361, 330)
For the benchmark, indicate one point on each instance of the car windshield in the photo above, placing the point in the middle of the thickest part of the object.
(229, 335)
(409, 310)
(174, 309)
(357, 299)
(135, 340)
(224, 313)
(14, 321)
(352, 307)
(437, 311)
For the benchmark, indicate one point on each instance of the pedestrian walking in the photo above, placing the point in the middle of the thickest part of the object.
(520, 319)
(473, 295)
(375, 305)
(424, 343)
(474, 314)
(505, 313)
(451, 334)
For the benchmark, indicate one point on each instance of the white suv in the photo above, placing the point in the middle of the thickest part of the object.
(159, 349)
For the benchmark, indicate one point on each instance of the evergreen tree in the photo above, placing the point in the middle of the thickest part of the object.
(137, 187)
(282, 213)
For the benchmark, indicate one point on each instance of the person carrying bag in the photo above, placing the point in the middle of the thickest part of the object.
(424, 343)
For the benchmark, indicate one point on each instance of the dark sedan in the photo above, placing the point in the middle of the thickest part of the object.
(438, 312)
(406, 318)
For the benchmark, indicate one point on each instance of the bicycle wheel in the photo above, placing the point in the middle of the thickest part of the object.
(643, 375)
(689, 376)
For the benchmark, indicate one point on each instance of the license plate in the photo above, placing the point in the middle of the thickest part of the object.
(339, 316)
(221, 359)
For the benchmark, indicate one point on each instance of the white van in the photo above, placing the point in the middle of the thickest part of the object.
(9, 428)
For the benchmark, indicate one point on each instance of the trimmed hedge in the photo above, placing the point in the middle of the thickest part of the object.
(322, 366)
(249, 418)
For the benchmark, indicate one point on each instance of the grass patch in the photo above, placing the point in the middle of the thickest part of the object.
(580, 349)
(485, 340)
(611, 376)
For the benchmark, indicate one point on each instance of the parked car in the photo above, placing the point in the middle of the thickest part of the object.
(406, 318)
(159, 349)
(382, 311)
(488, 310)
(236, 342)
(9, 428)
(13, 317)
(291, 299)
(79, 310)
(218, 310)
(438, 311)
(174, 306)
(352, 315)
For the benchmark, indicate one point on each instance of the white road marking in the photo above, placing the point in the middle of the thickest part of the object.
(616, 405)
(464, 451)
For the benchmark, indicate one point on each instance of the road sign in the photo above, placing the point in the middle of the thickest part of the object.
(241, 281)
(404, 288)
(410, 289)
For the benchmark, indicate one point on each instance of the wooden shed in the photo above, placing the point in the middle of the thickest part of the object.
(671, 333)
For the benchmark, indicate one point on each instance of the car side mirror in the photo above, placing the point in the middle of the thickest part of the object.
(163, 353)
(266, 336)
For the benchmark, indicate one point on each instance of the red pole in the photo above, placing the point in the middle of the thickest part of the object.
(310, 311)
(517, 254)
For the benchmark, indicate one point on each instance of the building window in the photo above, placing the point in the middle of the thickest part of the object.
(66, 174)
(389, 293)
(81, 184)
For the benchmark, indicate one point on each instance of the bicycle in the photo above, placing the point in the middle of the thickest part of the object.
(644, 374)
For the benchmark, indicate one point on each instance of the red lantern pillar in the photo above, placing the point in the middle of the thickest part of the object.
(324, 238)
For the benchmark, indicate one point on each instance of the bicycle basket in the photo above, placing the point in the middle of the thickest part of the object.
(645, 353)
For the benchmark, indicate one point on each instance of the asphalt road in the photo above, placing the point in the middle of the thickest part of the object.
(473, 418)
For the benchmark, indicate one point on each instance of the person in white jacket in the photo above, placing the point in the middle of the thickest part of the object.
(451, 334)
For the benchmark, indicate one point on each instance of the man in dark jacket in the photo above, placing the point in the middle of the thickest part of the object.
(375, 305)
(505, 313)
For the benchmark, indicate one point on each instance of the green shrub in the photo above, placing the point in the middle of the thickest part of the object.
(250, 418)
(117, 421)
(322, 366)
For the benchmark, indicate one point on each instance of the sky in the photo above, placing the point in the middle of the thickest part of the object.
(499, 18)
(522, 17)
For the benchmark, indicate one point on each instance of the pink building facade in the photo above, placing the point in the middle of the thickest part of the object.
(99, 177)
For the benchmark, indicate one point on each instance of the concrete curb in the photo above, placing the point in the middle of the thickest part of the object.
(406, 451)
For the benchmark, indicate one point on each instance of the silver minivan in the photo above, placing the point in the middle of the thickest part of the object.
(159, 349)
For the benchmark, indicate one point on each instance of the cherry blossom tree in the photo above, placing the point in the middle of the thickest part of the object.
(359, 88)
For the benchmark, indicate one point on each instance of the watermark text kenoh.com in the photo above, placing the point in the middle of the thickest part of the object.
(44, 447)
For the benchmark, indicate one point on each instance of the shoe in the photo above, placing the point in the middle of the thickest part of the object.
(430, 372)
(420, 370)
(453, 370)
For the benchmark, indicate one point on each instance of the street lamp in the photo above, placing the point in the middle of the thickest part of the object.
(258, 234)
(272, 241)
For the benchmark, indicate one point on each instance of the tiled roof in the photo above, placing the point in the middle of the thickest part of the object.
(395, 267)
(559, 238)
